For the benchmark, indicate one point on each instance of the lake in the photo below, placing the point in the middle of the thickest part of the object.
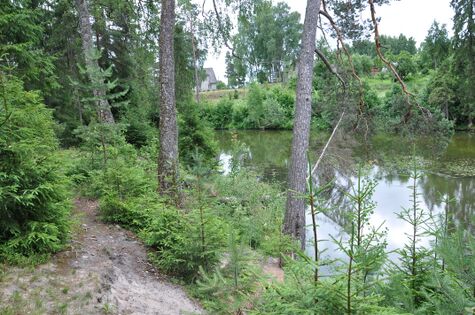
(448, 170)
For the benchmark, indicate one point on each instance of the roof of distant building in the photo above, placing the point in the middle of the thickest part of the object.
(210, 74)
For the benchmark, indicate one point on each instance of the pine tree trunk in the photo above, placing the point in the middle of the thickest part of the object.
(102, 105)
(294, 221)
(168, 146)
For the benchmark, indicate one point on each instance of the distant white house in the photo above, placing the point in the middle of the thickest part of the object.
(209, 83)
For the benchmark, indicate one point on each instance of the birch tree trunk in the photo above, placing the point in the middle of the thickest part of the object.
(294, 221)
(195, 63)
(168, 146)
(102, 105)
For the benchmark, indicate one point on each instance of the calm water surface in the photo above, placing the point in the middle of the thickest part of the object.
(449, 171)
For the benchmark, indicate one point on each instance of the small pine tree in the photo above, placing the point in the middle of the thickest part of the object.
(451, 287)
(98, 135)
(410, 276)
(364, 248)
(230, 288)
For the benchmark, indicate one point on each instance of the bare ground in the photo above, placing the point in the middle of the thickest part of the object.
(105, 271)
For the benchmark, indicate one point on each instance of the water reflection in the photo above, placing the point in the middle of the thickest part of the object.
(450, 172)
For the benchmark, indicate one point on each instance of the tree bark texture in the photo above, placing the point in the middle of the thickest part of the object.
(294, 221)
(102, 105)
(195, 63)
(168, 146)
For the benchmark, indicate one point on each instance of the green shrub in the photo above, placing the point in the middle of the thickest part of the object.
(34, 204)
(219, 115)
(264, 108)
(123, 180)
(220, 85)
(231, 288)
(195, 137)
(176, 240)
(362, 64)
(451, 288)
(138, 132)
(255, 104)
(118, 166)
(394, 116)
(223, 114)
(299, 294)
(274, 115)
(135, 213)
(33, 244)
(255, 208)
(240, 114)
(286, 100)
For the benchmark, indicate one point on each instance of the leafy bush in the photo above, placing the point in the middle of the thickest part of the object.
(122, 180)
(394, 116)
(274, 115)
(220, 85)
(240, 114)
(34, 204)
(362, 64)
(255, 208)
(405, 64)
(299, 294)
(135, 213)
(179, 247)
(230, 288)
(195, 136)
(219, 115)
(264, 108)
(255, 104)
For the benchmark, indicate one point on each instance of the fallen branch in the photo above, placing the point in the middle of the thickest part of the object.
(326, 145)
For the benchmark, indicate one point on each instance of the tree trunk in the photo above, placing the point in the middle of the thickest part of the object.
(102, 105)
(168, 146)
(294, 221)
(195, 63)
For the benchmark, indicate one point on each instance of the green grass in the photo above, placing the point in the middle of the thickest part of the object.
(216, 95)
(415, 84)
(381, 86)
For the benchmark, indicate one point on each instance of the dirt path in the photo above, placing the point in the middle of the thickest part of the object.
(104, 272)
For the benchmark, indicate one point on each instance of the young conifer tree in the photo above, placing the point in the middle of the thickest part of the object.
(99, 133)
(415, 261)
(364, 248)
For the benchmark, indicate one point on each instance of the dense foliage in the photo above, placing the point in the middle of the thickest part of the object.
(219, 230)
(263, 108)
(34, 207)
(266, 44)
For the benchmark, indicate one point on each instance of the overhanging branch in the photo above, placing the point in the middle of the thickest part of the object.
(361, 103)
(221, 28)
(329, 66)
(391, 67)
